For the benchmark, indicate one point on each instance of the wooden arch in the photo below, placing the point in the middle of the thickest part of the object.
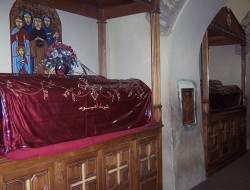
(224, 131)
(21, 36)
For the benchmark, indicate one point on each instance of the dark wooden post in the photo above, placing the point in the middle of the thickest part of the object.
(243, 73)
(102, 59)
(155, 66)
(205, 74)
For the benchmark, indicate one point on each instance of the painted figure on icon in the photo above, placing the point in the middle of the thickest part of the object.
(27, 19)
(47, 27)
(19, 37)
(38, 43)
(22, 61)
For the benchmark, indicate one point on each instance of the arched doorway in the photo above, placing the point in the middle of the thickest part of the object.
(184, 162)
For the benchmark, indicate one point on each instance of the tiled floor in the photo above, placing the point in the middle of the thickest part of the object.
(236, 176)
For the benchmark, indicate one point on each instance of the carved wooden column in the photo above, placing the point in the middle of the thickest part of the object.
(205, 92)
(102, 59)
(243, 73)
(205, 74)
(155, 66)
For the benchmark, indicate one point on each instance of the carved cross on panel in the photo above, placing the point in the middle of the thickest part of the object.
(84, 180)
(118, 169)
(148, 158)
(213, 136)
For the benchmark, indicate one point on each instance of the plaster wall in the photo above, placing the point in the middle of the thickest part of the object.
(225, 64)
(78, 31)
(183, 57)
(129, 48)
(239, 8)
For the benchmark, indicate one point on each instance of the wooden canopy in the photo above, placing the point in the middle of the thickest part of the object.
(102, 9)
(225, 29)
(108, 9)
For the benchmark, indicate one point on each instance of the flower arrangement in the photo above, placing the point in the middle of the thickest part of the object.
(62, 59)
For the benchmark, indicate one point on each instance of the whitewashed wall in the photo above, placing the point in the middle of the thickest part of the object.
(129, 48)
(79, 32)
(5, 51)
(225, 64)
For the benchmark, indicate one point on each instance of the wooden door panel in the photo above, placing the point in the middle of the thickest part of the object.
(116, 166)
(213, 144)
(82, 173)
(39, 181)
(34, 181)
(213, 135)
(225, 139)
(147, 150)
(149, 184)
(14, 184)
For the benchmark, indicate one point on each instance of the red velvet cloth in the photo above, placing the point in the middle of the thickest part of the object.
(62, 147)
(224, 97)
(43, 110)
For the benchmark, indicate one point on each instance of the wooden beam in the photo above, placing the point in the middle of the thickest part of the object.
(124, 10)
(77, 6)
(155, 67)
(222, 40)
(103, 10)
